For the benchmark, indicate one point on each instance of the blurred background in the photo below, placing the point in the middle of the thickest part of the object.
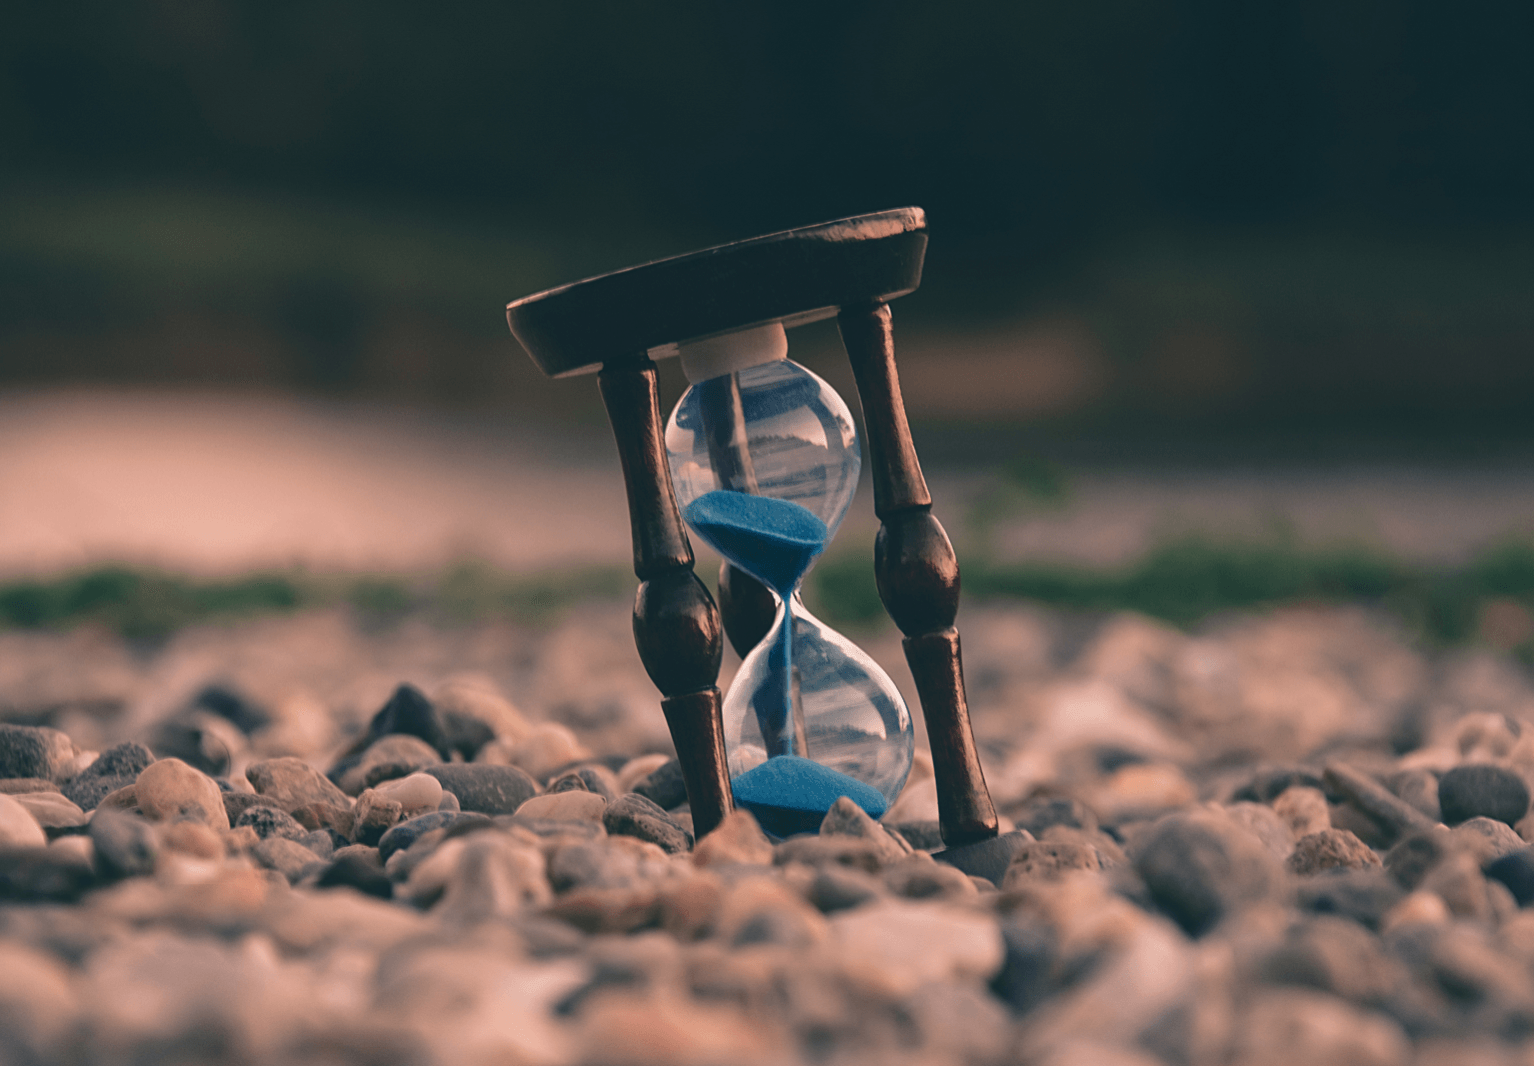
(1223, 303)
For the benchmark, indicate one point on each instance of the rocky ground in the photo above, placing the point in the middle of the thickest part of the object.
(1289, 838)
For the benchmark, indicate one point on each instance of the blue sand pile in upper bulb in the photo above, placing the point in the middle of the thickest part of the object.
(788, 794)
(776, 540)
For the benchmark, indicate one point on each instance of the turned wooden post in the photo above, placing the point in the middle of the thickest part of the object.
(676, 625)
(918, 576)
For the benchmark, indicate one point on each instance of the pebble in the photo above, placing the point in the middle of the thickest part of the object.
(388, 757)
(547, 747)
(1287, 1026)
(1393, 815)
(1264, 823)
(374, 815)
(597, 779)
(485, 787)
(896, 946)
(1303, 809)
(352, 868)
(18, 828)
(919, 876)
(292, 783)
(663, 786)
(192, 838)
(1482, 790)
(1330, 849)
(416, 794)
(119, 765)
(573, 806)
(1419, 788)
(1487, 839)
(44, 875)
(1048, 860)
(287, 857)
(125, 845)
(170, 789)
(1364, 896)
(737, 840)
(633, 815)
(847, 819)
(637, 769)
(51, 810)
(33, 751)
(406, 833)
(1041, 812)
(1516, 871)
(270, 822)
(19, 786)
(1200, 868)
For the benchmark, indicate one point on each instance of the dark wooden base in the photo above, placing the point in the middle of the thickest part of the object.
(696, 730)
(988, 858)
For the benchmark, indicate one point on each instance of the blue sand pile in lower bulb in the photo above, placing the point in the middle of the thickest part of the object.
(775, 540)
(790, 795)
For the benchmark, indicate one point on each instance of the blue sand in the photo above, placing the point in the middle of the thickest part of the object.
(789, 795)
(776, 540)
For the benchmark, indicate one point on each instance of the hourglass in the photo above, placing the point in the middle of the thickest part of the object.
(737, 447)
(765, 459)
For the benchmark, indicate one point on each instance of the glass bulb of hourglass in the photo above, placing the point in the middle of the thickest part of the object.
(764, 458)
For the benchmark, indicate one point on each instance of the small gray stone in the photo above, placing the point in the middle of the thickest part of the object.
(357, 867)
(408, 832)
(288, 857)
(585, 778)
(1330, 849)
(33, 751)
(486, 787)
(375, 815)
(1415, 854)
(634, 815)
(51, 810)
(322, 842)
(838, 888)
(1365, 896)
(1041, 812)
(918, 876)
(1048, 860)
(293, 783)
(124, 845)
(1482, 790)
(388, 757)
(1487, 839)
(270, 822)
(1395, 816)
(43, 875)
(664, 787)
(1200, 867)
(922, 836)
(115, 768)
(1419, 788)
(847, 819)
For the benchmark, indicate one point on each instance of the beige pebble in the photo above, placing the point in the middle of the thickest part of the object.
(1303, 810)
(737, 839)
(169, 789)
(416, 793)
(193, 838)
(51, 810)
(479, 697)
(18, 829)
(1418, 908)
(572, 806)
(546, 748)
(636, 770)
(75, 844)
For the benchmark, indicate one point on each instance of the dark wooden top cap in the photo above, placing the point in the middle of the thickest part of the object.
(792, 277)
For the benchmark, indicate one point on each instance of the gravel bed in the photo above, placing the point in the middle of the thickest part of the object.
(1293, 837)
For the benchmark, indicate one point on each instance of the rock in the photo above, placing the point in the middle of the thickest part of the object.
(919, 876)
(1394, 816)
(124, 844)
(1200, 867)
(1419, 788)
(116, 767)
(1486, 838)
(1364, 896)
(233, 707)
(170, 789)
(1267, 783)
(466, 734)
(764, 910)
(18, 829)
(287, 857)
(736, 840)
(547, 747)
(337, 819)
(1416, 908)
(388, 757)
(353, 868)
(1265, 824)
(480, 699)
(483, 876)
(51, 810)
(39, 1008)
(847, 819)
(1041, 812)
(123, 799)
(1331, 849)
(485, 787)
(292, 783)
(838, 888)
(1337, 956)
(204, 742)
(237, 803)
(405, 834)
(416, 794)
(323, 842)
(373, 816)
(1516, 871)
(1303, 809)
(664, 786)
(43, 875)
(1413, 856)
(818, 852)
(449, 802)
(637, 769)
(597, 779)
(1482, 790)
(960, 1023)
(633, 815)
(409, 713)
(1288, 1026)
(21, 786)
(269, 822)
(1047, 860)
(573, 806)
(33, 751)
(922, 836)
(895, 946)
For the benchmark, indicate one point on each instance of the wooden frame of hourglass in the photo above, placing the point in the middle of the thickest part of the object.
(614, 323)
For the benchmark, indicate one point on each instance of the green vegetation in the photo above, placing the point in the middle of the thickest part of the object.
(1183, 582)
